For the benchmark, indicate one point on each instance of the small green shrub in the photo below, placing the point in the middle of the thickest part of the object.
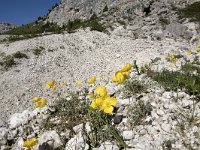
(93, 23)
(190, 68)
(38, 51)
(177, 80)
(164, 21)
(190, 11)
(139, 112)
(132, 87)
(34, 28)
(7, 62)
(70, 112)
(19, 55)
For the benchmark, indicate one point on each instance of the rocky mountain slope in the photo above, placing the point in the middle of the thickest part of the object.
(6, 27)
(156, 19)
(131, 34)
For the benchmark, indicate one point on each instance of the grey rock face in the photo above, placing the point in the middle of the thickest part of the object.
(146, 24)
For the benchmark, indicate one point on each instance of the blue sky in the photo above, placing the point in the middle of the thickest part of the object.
(24, 11)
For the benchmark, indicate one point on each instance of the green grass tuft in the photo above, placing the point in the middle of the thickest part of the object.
(139, 112)
(20, 55)
(38, 51)
(190, 11)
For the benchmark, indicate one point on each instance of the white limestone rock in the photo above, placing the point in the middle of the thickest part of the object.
(3, 136)
(77, 142)
(52, 138)
(128, 135)
(108, 146)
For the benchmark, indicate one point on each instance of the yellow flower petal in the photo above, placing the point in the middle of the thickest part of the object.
(79, 83)
(91, 94)
(126, 68)
(93, 105)
(114, 79)
(96, 103)
(189, 53)
(36, 99)
(126, 74)
(101, 91)
(112, 101)
(63, 84)
(41, 103)
(108, 109)
(120, 77)
(50, 84)
(91, 80)
(30, 142)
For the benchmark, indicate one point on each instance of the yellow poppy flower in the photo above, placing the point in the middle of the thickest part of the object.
(173, 58)
(189, 53)
(101, 91)
(96, 103)
(119, 77)
(198, 48)
(30, 142)
(41, 103)
(126, 68)
(63, 84)
(91, 94)
(108, 104)
(79, 83)
(91, 80)
(50, 84)
(36, 99)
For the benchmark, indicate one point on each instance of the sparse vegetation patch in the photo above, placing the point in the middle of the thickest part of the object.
(190, 11)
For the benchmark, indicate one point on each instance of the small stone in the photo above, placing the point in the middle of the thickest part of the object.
(160, 112)
(167, 95)
(118, 55)
(128, 135)
(18, 118)
(166, 127)
(3, 136)
(78, 128)
(77, 142)
(88, 127)
(143, 132)
(154, 115)
(18, 144)
(186, 103)
(2, 124)
(52, 138)
(108, 146)
(118, 119)
(195, 129)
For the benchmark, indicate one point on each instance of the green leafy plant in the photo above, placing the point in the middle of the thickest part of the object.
(19, 55)
(174, 80)
(164, 21)
(190, 11)
(139, 112)
(38, 51)
(133, 86)
(93, 23)
(8, 61)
